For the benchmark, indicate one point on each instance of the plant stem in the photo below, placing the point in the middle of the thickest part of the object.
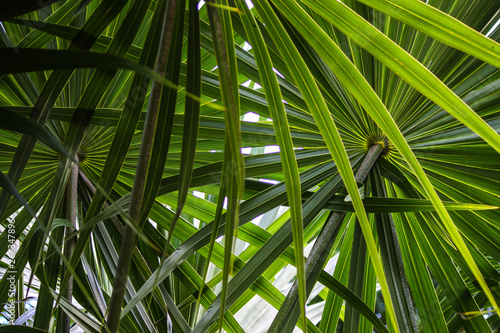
(129, 236)
(70, 240)
(318, 250)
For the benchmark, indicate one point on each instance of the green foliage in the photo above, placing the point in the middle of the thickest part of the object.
(308, 243)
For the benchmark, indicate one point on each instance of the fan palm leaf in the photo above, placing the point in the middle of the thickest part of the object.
(267, 118)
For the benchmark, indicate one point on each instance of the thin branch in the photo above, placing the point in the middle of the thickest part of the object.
(70, 240)
(130, 237)
(322, 241)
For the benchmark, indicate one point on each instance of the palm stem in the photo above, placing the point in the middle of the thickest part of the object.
(71, 210)
(130, 236)
(318, 250)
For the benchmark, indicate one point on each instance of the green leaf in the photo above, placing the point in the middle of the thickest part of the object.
(282, 129)
(83, 320)
(440, 26)
(393, 205)
(13, 8)
(323, 64)
(329, 131)
(233, 167)
(14, 122)
(62, 223)
(418, 76)
(192, 110)
(6, 184)
(362, 281)
(390, 250)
